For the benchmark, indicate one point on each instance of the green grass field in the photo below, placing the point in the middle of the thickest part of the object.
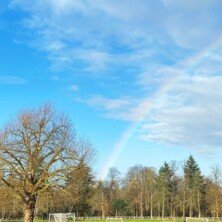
(125, 220)
(134, 220)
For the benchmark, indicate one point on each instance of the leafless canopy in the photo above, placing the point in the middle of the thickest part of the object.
(37, 150)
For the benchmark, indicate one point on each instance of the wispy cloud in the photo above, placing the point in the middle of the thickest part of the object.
(112, 107)
(131, 34)
(74, 88)
(12, 80)
(185, 111)
(73, 30)
(188, 114)
(142, 44)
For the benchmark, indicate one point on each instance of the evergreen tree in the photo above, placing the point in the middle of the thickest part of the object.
(79, 187)
(165, 185)
(194, 186)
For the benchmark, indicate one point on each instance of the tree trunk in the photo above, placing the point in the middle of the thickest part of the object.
(141, 205)
(151, 206)
(184, 206)
(190, 212)
(199, 210)
(171, 209)
(191, 209)
(217, 208)
(163, 208)
(29, 209)
(103, 207)
(158, 209)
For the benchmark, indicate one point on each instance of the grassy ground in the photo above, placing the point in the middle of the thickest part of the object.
(132, 220)
(125, 220)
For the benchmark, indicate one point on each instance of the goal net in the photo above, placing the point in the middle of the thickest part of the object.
(113, 219)
(62, 217)
(197, 219)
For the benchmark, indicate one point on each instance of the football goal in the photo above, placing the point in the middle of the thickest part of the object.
(112, 219)
(62, 217)
(197, 219)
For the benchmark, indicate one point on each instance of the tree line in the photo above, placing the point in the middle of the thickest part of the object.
(145, 191)
(45, 168)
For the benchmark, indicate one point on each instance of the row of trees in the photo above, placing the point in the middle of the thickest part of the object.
(45, 168)
(144, 191)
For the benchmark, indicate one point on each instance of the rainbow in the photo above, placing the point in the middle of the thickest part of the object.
(188, 63)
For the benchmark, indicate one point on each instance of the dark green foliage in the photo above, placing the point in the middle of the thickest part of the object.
(192, 173)
(165, 186)
(79, 187)
(165, 176)
(119, 206)
(195, 186)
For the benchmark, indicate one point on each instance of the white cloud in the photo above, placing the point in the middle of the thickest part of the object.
(107, 104)
(189, 114)
(113, 108)
(74, 88)
(193, 34)
(65, 6)
(193, 24)
(124, 108)
(55, 46)
(176, 95)
(96, 31)
(12, 80)
(186, 107)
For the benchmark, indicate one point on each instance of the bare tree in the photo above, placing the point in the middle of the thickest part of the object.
(134, 189)
(114, 188)
(37, 149)
(214, 191)
(150, 187)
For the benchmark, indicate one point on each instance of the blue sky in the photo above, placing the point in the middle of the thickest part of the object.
(155, 65)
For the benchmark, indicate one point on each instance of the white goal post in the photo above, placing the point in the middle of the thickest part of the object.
(197, 219)
(108, 219)
(62, 217)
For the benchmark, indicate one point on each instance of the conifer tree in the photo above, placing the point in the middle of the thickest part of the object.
(194, 185)
(165, 185)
